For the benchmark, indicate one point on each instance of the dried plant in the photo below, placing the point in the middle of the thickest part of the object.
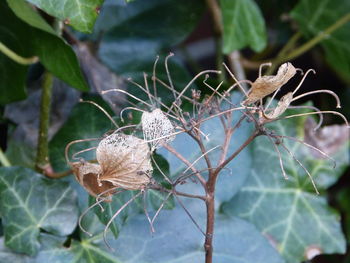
(125, 162)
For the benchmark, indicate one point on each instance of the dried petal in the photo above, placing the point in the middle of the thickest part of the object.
(125, 161)
(87, 175)
(156, 125)
(281, 107)
(266, 85)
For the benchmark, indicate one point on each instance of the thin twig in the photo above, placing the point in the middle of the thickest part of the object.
(17, 58)
(185, 161)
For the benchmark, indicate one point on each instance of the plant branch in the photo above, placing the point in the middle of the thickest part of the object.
(163, 189)
(17, 58)
(216, 15)
(185, 161)
(198, 139)
(3, 159)
(42, 158)
(308, 45)
(233, 155)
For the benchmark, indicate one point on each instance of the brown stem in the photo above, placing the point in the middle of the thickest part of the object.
(215, 12)
(210, 205)
(163, 189)
(210, 198)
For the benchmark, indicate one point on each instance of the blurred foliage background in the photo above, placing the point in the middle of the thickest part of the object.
(67, 50)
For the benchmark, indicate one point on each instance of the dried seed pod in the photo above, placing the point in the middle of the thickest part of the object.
(157, 128)
(87, 175)
(281, 107)
(266, 85)
(125, 161)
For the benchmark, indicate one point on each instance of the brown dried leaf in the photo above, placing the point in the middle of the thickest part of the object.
(328, 139)
(266, 85)
(125, 161)
(281, 107)
(87, 175)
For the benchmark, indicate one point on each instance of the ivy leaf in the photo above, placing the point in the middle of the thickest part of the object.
(176, 240)
(180, 241)
(26, 13)
(11, 88)
(314, 17)
(289, 212)
(57, 56)
(80, 14)
(85, 251)
(6, 255)
(110, 208)
(29, 203)
(85, 122)
(129, 46)
(243, 25)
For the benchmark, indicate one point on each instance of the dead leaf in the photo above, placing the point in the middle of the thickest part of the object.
(328, 139)
(266, 85)
(281, 107)
(87, 175)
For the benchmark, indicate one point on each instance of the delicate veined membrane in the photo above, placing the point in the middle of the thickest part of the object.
(125, 161)
(157, 128)
(266, 85)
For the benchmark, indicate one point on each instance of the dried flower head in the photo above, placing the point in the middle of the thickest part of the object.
(265, 85)
(157, 128)
(125, 161)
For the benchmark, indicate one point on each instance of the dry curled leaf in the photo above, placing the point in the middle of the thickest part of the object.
(266, 85)
(328, 139)
(125, 161)
(157, 128)
(86, 174)
(281, 107)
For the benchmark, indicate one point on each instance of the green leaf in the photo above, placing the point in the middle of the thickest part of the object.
(289, 212)
(12, 75)
(243, 25)
(314, 17)
(155, 198)
(6, 255)
(21, 154)
(57, 56)
(129, 47)
(26, 13)
(29, 203)
(85, 122)
(177, 240)
(110, 208)
(78, 252)
(80, 14)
